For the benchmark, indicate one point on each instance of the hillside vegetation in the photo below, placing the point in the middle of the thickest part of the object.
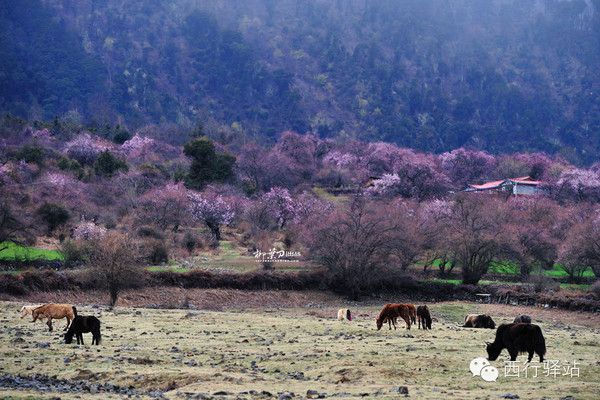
(367, 214)
(502, 76)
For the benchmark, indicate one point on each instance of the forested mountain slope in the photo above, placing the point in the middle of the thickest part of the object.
(434, 75)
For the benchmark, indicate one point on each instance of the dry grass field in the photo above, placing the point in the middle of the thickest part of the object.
(288, 347)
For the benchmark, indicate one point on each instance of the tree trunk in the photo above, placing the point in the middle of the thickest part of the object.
(216, 231)
(114, 294)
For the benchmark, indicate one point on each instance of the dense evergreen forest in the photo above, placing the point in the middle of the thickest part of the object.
(434, 75)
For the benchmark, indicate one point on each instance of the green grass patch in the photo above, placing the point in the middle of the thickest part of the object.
(225, 245)
(458, 282)
(512, 268)
(454, 281)
(558, 272)
(15, 252)
(575, 287)
(504, 267)
(156, 269)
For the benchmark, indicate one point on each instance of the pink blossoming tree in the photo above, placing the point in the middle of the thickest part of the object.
(212, 210)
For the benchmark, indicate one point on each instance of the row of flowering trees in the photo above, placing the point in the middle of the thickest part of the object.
(382, 206)
(297, 161)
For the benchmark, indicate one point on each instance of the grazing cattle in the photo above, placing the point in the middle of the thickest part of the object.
(54, 311)
(424, 317)
(344, 314)
(479, 321)
(517, 338)
(525, 319)
(83, 325)
(390, 313)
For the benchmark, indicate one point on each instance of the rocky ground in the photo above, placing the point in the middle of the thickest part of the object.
(229, 344)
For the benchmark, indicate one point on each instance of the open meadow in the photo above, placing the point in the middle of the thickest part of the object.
(291, 352)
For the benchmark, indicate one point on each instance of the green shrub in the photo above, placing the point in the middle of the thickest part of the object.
(73, 251)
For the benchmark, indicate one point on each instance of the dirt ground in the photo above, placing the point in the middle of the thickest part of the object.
(229, 344)
(221, 299)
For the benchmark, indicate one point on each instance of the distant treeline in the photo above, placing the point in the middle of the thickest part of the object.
(504, 77)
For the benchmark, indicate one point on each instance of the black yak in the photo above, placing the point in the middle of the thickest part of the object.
(517, 338)
(525, 319)
(424, 317)
(479, 321)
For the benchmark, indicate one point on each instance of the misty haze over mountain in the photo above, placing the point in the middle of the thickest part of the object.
(434, 75)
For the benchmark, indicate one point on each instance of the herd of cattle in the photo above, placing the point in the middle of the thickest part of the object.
(521, 336)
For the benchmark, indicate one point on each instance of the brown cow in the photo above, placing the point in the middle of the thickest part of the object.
(518, 338)
(479, 321)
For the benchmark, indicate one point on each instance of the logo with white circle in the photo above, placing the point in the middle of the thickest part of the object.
(481, 367)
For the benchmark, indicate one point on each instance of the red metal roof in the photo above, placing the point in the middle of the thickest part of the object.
(523, 180)
(489, 185)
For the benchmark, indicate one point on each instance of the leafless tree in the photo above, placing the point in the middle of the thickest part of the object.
(475, 237)
(357, 247)
(113, 260)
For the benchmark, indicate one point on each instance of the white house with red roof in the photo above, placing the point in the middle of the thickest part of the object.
(517, 186)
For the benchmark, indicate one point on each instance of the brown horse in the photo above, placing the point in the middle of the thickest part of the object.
(390, 313)
(424, 317)
(54, 311)
(412, 313)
